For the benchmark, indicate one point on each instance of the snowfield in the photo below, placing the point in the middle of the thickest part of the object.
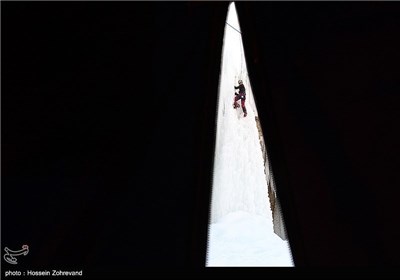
(243, 239)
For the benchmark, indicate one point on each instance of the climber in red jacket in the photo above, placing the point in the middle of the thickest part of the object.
(241, 95)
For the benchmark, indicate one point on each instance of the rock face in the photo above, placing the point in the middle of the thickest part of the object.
(277, 218)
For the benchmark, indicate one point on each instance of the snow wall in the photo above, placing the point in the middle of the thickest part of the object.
(240, 179)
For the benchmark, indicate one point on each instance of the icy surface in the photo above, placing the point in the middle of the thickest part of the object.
(241, 232)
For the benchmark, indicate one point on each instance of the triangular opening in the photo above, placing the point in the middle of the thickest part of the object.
(243, 203)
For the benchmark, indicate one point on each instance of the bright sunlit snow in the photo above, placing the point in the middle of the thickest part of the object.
(241, 230)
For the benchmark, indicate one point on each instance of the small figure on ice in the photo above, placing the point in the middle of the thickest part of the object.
(241, 95)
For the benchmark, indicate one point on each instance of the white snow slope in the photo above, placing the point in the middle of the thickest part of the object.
(241, 231)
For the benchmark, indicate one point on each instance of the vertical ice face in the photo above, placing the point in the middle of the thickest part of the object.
(239, 178)
(241, 229)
